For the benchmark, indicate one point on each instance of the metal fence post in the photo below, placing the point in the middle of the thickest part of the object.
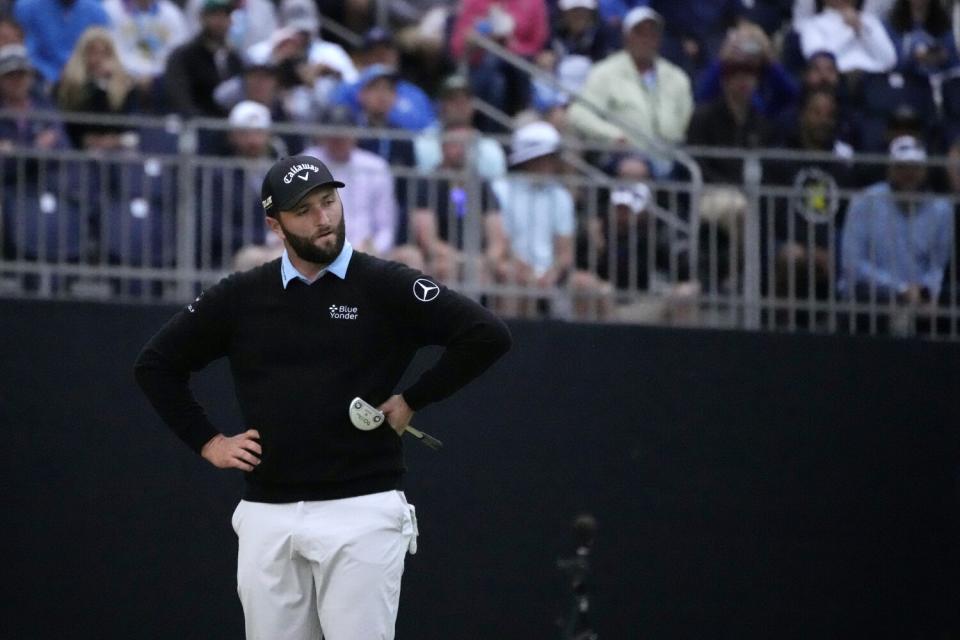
(186, 207)
(752, 175)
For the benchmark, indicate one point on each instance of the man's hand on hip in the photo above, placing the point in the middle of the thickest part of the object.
(397, 412)
(241, 451)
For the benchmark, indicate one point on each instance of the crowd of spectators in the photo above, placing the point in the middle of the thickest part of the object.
(837, 77)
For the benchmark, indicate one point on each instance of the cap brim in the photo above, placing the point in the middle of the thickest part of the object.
(531, 154)
(13, 67)
(300, 195)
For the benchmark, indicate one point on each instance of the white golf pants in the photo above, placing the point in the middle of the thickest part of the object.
(330, 566)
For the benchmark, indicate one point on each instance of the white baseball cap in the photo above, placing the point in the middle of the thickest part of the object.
(566, 5)
(636, 198)
(907, 149)
(533, 140)
(250, 115)
(637, 15)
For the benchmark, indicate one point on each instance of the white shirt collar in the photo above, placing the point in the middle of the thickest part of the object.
(338, 267)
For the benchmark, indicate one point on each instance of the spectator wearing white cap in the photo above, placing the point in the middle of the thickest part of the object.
(539, 221)
(622, 240)
(639, 87)
(229, 195)
(897, 241)
(249, 135)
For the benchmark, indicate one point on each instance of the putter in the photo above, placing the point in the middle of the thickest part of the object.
(367, 417)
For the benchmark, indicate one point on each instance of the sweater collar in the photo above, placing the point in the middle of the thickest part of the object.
(338, 267)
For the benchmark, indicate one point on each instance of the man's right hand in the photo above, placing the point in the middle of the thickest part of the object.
(241, 451)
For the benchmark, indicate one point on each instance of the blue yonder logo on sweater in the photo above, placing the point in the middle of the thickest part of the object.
(343, 312)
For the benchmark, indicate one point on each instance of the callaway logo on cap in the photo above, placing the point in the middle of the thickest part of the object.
(290, 179)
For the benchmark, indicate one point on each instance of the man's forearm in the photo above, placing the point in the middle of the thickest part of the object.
(469, 355)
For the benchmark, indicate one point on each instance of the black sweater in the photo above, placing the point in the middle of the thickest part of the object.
(300, 354)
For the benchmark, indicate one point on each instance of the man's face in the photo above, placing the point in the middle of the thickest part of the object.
(378, 97)
(9, 33)
(15, 86)
(454, 147)
(632, 168)
(821, 73)
(97, 56)
(339, 148)
(907, 176)
(250, 143)
(548, 165)
(643, 41)
(819, 119)
(216, 24)
(314, 229)
(577, 20)
(385, 54)
(739, 86)
(261, 86)
(456, 109)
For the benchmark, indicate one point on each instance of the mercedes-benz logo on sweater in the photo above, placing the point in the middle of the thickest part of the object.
(424, 290)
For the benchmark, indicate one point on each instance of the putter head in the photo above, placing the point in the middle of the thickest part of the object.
(364, 415)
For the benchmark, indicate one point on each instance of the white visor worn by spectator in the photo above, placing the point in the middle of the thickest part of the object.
(250, 115)
(326, 566)
(637, 15)
(567, 5)
(907, 149)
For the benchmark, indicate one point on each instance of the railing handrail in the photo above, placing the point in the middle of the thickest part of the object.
(175, 124)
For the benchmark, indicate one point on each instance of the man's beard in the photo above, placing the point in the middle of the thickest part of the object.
(305, 249)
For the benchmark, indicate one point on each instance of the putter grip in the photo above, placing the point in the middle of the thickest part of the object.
(426, 438)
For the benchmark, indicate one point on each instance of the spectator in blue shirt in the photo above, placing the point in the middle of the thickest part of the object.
(920, 30)
(896, 245)
(52, 28)
(412, 110)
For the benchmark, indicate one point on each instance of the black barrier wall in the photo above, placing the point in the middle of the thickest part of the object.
(746, 486)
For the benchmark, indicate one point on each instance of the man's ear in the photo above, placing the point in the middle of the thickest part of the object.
(275, 227)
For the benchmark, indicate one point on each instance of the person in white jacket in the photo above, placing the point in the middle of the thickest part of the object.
(857, 39)
(639, 87)
(146, 31)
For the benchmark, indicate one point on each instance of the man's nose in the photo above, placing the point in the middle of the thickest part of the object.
(321, 216)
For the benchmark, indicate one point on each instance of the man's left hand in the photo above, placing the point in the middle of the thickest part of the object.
(398, 413)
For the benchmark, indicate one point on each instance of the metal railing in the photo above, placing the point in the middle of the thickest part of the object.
(156, 223)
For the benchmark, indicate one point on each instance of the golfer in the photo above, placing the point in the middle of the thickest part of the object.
(323, 526)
